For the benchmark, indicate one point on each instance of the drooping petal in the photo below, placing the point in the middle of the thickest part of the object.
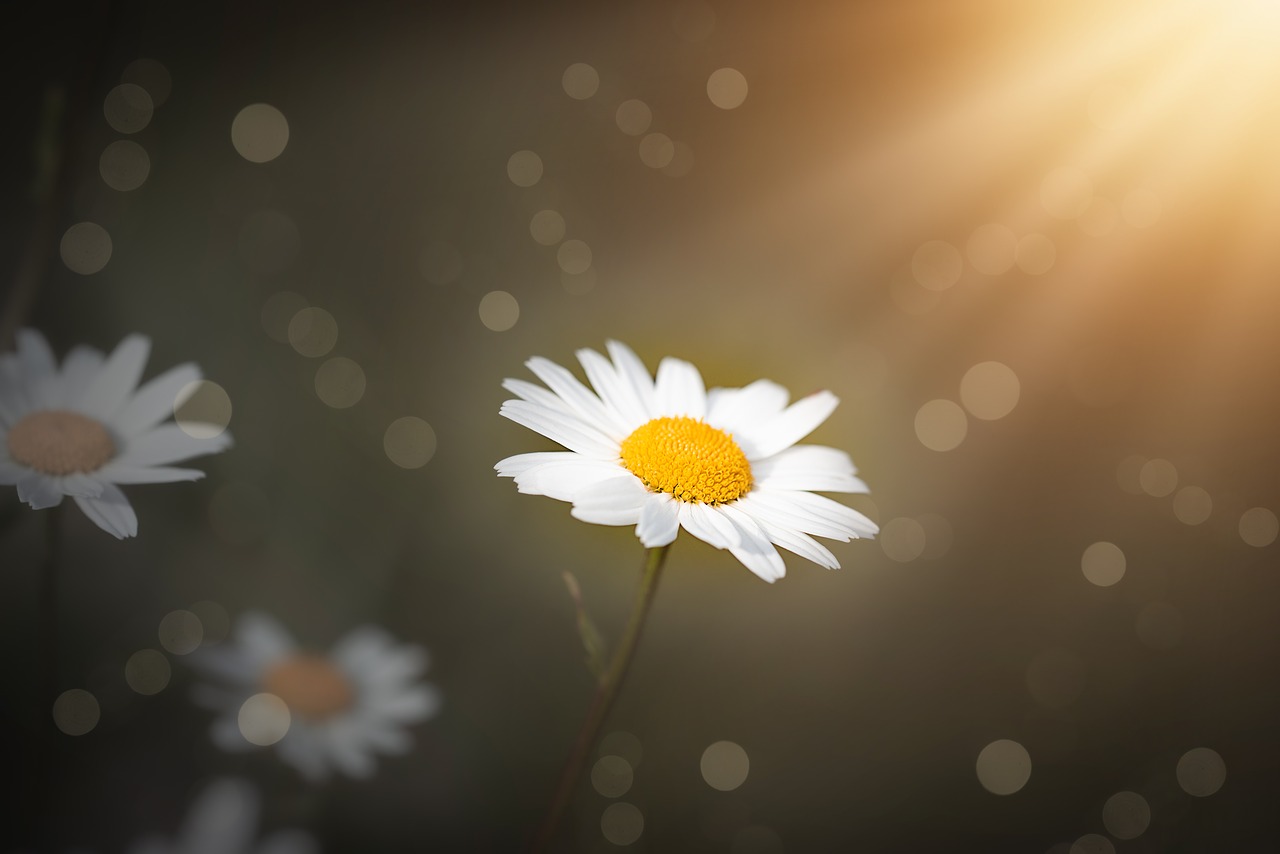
(709, 525)
(154, 402)
(82, 485)
(616, 501)
(679, 390)
(116, 380)
(11, 472)
(801, 544)
(659, 520)
(347, 750)
(168, 443)
(567, 430)
(756, 551)
(39, 490)
(733, 409)
(764, 439)
(111, 512)
(775, 509)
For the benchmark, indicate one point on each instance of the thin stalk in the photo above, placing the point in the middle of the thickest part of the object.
(46, 739)
(602, 702)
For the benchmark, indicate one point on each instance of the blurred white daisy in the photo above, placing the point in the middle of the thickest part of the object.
(223, 819)
(85, 428)
(322, 712)
(666, 454)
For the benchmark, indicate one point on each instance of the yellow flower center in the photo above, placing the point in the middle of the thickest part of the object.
(689, 459)
(56, 442)
(311, 686)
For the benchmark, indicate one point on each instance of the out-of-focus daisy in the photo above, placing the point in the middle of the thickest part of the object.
(666, 454)
(322, 712)
(84, 428)
(223, 819)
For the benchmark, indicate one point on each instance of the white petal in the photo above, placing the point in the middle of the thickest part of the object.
(153, 402)
(632, 371)
(659, 520)
(360, 649)
(117, 379)
(11, 472)
(303, 748)
(117, 473)
(223, 819)
(709, 525)
(565, 480)
(732, 409)
(679, 389)
(512, 466)
(756, 552)
(801, 544)
(38, 368)
(347, 750)
(536, 394)
(168, 444)
(807, 481)
(82, 485)
(39, 490)
(806, 458)
(617, 393)
(786, 428)
(567, 430)
(262, 639)
(79, 370)
(417, 703)
(111, 512)
(579, 398)
(616, 501)
(774, 509)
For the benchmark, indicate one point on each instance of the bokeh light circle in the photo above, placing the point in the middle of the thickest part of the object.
(937, 265)
(202, 409)
(340, 382)
(612, 776)
(580, 81)
(263, 719)
(725, 766)
(259, 133)
(1259, 527)
(1126, 815)
(990, 390)
(524, 168)
(941, 425)
(76, 712)
(409, 442)
(499, 311)
(1201, 772)
(1103, 564)
(85, 248)
(727, 88)
(1003, 767)
(124, 165)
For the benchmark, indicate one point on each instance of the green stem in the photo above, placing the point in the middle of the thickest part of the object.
(606, 693)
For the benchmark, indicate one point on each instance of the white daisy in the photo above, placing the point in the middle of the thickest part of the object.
(666, 454)
(223, 819)
(85, 428)
(322, 712)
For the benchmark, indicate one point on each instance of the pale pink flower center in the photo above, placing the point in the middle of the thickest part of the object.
(311, 686)
(56, 442)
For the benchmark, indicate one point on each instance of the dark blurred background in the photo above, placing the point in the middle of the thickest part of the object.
(1030, 247)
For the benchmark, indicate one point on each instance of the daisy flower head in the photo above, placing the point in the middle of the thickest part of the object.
(87, 427)
(321, 711)
(663, 453)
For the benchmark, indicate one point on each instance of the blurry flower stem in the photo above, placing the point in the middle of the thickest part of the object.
(65, 113)
(46, 738)
(606, 692)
